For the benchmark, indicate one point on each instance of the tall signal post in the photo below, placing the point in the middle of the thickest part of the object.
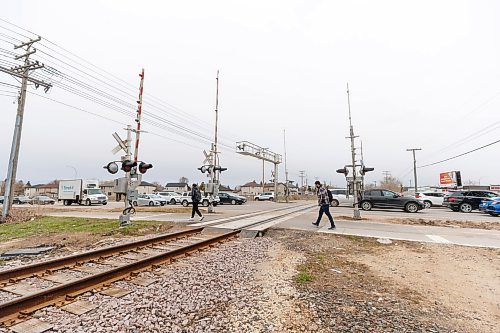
(21, 72)
(211, 164)
(356, 214)
(286, 169)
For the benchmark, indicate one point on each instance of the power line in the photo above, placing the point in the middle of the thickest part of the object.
(456, 156)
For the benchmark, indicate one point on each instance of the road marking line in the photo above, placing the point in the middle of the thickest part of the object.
(438, 239)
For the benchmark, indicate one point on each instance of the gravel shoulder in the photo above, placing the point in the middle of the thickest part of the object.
(359, 285)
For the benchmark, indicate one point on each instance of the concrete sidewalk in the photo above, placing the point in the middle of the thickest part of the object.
(416, 233)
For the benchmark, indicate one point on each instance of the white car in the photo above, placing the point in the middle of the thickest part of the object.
(340, 197)
(431, 198)
(264, 196)
(172, 198)
(146, 200)
(205, 201)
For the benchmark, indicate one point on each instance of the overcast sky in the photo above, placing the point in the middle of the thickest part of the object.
(423, 74)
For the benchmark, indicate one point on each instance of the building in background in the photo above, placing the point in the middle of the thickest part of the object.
(176, 187)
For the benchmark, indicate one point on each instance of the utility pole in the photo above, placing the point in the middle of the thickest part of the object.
(387, 174)
(302, 174)
(356, 213)
(286, 169)
(414, 166)
(263, 175)
(23, 73)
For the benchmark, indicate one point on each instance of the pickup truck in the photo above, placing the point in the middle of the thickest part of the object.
(264, 196)
(186, 200)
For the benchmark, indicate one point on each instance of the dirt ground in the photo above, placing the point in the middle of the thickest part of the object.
(359, 285)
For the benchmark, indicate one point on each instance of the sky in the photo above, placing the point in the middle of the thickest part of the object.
(422, 74)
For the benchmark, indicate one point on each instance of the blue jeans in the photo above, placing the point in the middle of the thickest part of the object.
(325, 209)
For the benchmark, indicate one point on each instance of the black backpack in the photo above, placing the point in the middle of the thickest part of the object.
(330, 195)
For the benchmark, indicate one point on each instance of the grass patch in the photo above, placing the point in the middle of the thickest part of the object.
(303, 277)
(49, 225)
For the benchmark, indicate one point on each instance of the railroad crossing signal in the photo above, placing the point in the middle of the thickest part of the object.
(112, 167)
(364, 170)
(144, 167)
(344, 170)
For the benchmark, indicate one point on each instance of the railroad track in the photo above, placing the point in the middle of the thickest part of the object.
(74, 275)
(119, 262)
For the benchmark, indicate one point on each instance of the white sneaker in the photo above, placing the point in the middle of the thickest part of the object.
(191, 219)
(201, 218)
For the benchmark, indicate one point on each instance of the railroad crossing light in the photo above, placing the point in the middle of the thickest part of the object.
(127, 165)
(344, 170)
(364, 170)
(203, 168)
(112, 168)
(143, 167)
(219, 168)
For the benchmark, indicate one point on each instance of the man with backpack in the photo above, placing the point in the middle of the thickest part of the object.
(196, 198)
(324, 198)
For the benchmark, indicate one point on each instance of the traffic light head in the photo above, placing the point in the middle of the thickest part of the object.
(143, 167)
(112, 168)
(364, 170)
(127, 165)
(344, 170)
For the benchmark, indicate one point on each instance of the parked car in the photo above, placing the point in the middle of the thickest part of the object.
(340, 197)
(431, 198)
(229, 198)
(171, 197)
(146, 200)
(382, 198)
(467, 201)
(491, 207)
(22, 199)
(42, 200)
(161, 199)
(205, 200)
(264, 196)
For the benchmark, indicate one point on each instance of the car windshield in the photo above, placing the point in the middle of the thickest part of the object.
(94, 191)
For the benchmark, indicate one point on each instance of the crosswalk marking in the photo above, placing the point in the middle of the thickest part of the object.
(438, 239)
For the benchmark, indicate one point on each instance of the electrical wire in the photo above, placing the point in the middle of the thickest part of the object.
(456, 156)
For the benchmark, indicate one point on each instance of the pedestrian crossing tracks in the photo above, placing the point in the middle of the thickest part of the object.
(257, 223)
(299, 217)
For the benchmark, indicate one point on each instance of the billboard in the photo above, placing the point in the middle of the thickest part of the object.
(451, 178)
(494, 187)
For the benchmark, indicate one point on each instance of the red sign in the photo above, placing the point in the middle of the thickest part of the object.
(494, 187)
(446, 178)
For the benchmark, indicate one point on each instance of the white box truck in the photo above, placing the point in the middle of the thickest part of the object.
(81, 191)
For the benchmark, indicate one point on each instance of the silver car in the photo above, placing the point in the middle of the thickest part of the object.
(146, 200)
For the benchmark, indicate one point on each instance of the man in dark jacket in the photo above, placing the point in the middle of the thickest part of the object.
(196, 197)
(324, 205)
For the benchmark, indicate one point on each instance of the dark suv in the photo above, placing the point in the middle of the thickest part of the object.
(381, 198)
(466, 201)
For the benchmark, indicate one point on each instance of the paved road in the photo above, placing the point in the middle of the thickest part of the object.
(441, 235)
(376, 227)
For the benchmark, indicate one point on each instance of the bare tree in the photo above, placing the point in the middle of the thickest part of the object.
(19, 188)
(159, 187)
(391, 183)
(184, 180)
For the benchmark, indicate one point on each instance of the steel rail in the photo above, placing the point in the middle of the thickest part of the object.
(31, 269)
(49, 296)
(253, 224)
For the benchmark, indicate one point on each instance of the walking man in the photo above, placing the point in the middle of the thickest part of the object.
(324, 205)
(196, 197)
